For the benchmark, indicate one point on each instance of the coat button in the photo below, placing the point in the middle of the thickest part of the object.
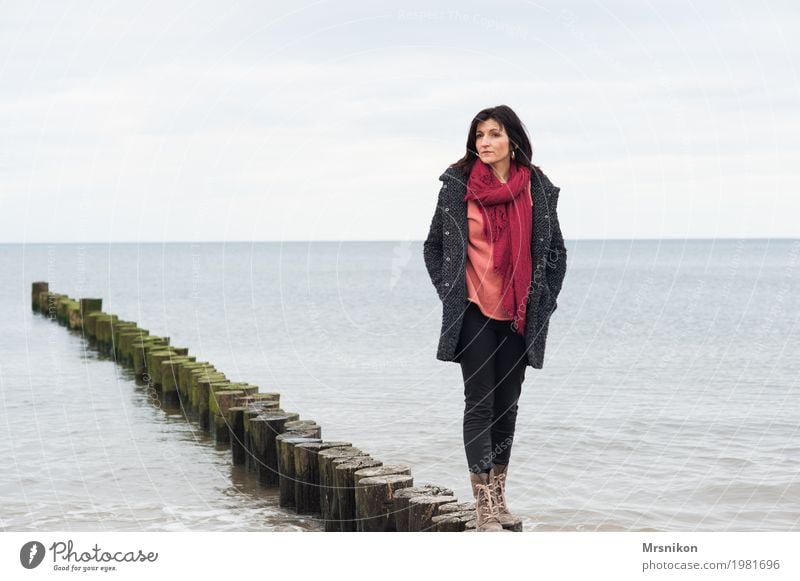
(445, 186)
(447, 232)
(547, 216)
(447, 209)
(447, 284)
(541, 239)
(447, 258)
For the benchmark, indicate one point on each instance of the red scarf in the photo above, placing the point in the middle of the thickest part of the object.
(507, 223)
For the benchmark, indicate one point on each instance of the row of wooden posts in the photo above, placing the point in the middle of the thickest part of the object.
(346, 487)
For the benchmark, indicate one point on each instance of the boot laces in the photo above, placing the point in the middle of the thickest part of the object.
(499, 492)
(486, 508)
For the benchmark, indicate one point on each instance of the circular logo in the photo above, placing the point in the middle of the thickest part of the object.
(31, 554)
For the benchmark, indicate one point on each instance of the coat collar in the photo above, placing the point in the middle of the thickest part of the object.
(459, 177)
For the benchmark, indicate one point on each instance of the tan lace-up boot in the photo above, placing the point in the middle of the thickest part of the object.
(484, 508)
(497, 484)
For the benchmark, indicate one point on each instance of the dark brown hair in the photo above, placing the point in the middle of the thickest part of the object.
(517, 136)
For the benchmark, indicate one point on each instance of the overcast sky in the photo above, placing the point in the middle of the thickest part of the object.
(178, 120)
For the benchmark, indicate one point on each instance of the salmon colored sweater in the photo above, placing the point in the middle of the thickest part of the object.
(484, 283)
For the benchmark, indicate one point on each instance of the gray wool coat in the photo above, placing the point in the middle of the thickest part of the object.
(445, 254)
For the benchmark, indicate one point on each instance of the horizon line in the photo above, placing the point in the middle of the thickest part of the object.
(382, 240)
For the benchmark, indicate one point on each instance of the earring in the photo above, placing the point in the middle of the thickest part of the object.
(512, 154)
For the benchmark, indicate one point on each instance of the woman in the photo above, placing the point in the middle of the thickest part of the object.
(496, 256)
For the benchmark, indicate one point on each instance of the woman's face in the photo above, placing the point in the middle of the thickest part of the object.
(491, 142)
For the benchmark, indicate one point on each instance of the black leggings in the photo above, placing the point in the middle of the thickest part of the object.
(493, 363)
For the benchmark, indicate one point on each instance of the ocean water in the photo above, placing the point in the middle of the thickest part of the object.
(668, 400)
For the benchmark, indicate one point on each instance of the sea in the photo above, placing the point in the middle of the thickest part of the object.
(668, 401)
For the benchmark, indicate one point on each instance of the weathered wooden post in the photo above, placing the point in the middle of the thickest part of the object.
(257, 428)
(236, 425)
(219, 404)
(42, 302)
(306, 470)
(250, 462)
(51, 305)
(382, 470)
(264, 429)
(252, 406)
(285, 447)
(375, 496)
(36, 288)
(344, 470)
(329, 507)
(140, 350)
(103, 329)
(74, 319)
(218, 395)
(421, 510)
(117, 328)
(203, 393)
(108, 332)
(284, 451)
(454, 517)
(90, 325)
(303, 426)
(63, 305)
(183, 380)
(170, 371)
(89, 306)
(154, 359)
(375, 509)
(200, 381)
(124, 347)
(402, 498)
